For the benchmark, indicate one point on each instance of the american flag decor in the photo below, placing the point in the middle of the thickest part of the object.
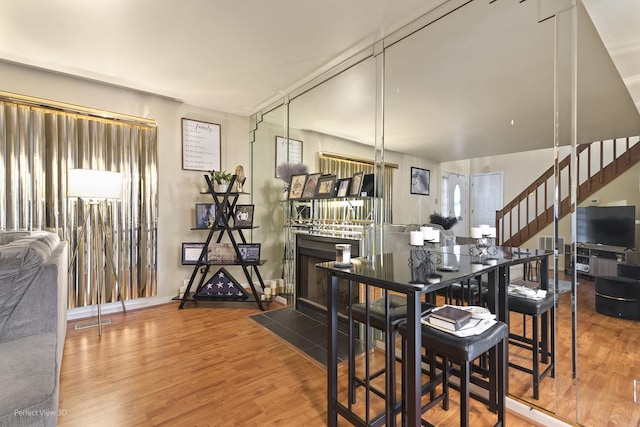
(221, 286)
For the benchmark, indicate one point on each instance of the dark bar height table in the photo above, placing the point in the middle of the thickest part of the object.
(396, 273)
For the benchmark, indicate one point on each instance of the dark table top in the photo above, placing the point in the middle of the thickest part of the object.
(429, 269)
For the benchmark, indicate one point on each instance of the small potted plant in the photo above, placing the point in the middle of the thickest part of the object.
(222, 178)
(445, 221)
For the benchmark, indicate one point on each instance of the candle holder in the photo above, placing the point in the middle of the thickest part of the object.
(483, 249)
(423, 263)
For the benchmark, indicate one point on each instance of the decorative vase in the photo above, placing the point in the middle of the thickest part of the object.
(285, 192)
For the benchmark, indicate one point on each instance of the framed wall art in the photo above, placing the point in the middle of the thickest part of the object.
(369, 185)
(221, 252)
(310, 186)
(243, 216)
(250, 252)
(356, 184)
(420, 181)
(287, 151)
(191, 253)
(326, 186)
(201, 144)
(343, 187)
(205, 215)
(297, 185)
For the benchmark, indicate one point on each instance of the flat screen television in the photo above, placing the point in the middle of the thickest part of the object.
(606, 225)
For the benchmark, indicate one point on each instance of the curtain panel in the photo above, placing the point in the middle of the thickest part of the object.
(345, 168)
(38, 145)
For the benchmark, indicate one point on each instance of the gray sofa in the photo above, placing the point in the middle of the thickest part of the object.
(33, 317)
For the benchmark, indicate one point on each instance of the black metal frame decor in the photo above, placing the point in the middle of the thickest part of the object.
(420, 179)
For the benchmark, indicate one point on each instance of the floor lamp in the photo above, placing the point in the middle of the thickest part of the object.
(96, 186)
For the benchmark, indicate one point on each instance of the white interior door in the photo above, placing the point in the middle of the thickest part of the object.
(454, 200)
(486, 198)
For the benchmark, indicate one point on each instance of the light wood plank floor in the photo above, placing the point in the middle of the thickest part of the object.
(199, 367)
(608, 361)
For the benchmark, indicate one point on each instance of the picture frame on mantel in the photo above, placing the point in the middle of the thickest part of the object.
(201, 145)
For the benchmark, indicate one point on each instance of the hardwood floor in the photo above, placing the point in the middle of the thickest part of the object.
(608, 360)
(200, 367)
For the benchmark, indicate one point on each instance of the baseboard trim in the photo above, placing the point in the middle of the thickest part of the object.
(539, 418)
(115, 307)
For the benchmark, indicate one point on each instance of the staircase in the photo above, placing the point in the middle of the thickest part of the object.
(599, 163)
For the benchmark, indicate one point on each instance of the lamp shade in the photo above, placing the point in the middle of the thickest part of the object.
(94, 184)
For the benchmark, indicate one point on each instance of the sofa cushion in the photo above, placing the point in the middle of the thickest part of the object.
(20, 261)
(29, 365)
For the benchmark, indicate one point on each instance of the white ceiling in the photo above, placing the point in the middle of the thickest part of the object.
(238, 56)
(230, 56)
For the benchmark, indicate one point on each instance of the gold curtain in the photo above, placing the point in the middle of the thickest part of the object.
(37, 146)
(344, 167)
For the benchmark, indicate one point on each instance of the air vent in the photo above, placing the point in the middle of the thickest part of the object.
(546, 243)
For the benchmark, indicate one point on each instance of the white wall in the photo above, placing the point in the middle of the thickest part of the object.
(407, 208)
(520, 169)
(178, 189)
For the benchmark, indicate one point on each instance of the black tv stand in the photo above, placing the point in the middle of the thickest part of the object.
(598, 260)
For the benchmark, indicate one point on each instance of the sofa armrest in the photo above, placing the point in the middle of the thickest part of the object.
(32, 300)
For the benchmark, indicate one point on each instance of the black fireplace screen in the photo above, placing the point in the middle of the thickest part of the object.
(311, 283)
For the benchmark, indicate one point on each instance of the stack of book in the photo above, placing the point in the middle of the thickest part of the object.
(450, 318)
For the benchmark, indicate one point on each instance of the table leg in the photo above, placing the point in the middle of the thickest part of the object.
(544, 284)
(332, 350)
(503, 297)
(413, 360)
(492, 295)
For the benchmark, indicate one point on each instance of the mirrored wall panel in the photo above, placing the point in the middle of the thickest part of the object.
(522, 108)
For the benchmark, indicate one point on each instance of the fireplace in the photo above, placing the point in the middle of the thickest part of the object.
(311, 283)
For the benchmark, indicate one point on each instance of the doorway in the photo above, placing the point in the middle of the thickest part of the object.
(486, 198)
(454, 200)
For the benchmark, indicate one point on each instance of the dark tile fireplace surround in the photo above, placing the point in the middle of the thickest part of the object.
(311, 283)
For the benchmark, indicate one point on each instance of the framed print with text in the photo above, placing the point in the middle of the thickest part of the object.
(287, 151)
(191, 253)
(200, 145)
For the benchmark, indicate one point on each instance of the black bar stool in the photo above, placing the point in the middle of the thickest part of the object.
(541, 344)
(378, 319)
(463, 351)
(468, 292)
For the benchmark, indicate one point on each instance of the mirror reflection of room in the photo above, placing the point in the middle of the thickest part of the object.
(487, 166)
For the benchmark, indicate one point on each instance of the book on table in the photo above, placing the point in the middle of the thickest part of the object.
(449, 317)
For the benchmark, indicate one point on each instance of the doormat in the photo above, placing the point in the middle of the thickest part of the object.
(90, 324)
